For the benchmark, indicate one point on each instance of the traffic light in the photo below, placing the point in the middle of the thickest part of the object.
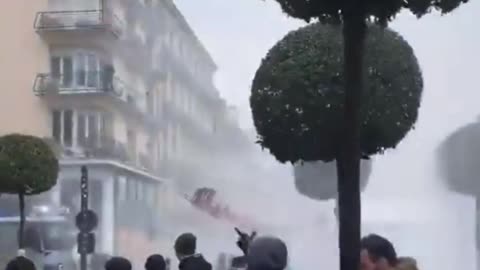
(86, 243)
(86, 220)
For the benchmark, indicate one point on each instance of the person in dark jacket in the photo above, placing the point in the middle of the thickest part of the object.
(267, 253)
(118, 263)
(20, 263)
(155, 262)
(185, 249)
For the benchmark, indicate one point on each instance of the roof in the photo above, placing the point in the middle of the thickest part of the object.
(186, 27)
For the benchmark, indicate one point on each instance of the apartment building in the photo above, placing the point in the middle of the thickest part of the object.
(124, 87)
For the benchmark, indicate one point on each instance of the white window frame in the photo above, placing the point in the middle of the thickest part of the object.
(75, 119)
(122, 188)
(74, 55)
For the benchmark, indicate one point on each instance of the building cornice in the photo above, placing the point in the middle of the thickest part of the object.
(112, 163)
(188, 30)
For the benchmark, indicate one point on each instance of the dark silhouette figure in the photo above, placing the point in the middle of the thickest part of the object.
(155, 262)
(107, 77)
(20, 263)
(185, 249)
(267, 253)
(118, 263)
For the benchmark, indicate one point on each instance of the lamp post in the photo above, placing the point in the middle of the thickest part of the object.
(86, 221)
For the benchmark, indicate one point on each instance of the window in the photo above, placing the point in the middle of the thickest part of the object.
(68, 127)
(161, 153)
(56, 125)
(132, 144)
(140, 32)
(62, 69)
(76, 69)
(150, 196)
(140, 190)
(79, 128)
(122, 188)
(166, 143)
(173, 138)
(82, 129)
(90, 128)
(131, 189)
(151, 98)
(150, 147)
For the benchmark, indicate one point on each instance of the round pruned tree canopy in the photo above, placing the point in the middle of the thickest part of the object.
(318, 180)
(27, 165)
(297, 96)
(382, 11)
(459, 161)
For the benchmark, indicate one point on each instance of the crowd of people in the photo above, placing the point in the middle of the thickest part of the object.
(259, 253)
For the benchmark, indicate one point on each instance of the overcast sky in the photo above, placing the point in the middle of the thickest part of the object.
(238, 33)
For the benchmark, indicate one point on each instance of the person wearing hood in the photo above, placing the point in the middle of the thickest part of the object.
(185, 249)
(267, 253)
(20, 263)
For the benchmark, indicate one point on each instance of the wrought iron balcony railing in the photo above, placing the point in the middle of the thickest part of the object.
(84, 83)
(78, 20)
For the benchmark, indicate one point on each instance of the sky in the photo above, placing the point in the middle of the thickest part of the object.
(239, 33)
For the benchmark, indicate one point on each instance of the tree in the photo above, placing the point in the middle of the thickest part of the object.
(318, 180)
(458, 158)
(298, 105)
(27, 167)
(353, 15)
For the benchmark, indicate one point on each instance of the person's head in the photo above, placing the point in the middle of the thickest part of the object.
(118, 263)
(155, 262)
(267, 253)
(377, 253)
(20, 263)
(185, 245)
(407, 263)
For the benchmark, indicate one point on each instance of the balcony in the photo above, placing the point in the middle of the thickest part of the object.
(189, 125)
(102, 148)
(182, 72)
(96, 148)
(54, 23)
(101, 88)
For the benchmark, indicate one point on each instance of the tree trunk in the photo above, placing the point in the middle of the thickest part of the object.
(348, 162)
(21, 229)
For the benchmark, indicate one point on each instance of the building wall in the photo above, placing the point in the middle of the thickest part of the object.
(23, 54)
(157, 54)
